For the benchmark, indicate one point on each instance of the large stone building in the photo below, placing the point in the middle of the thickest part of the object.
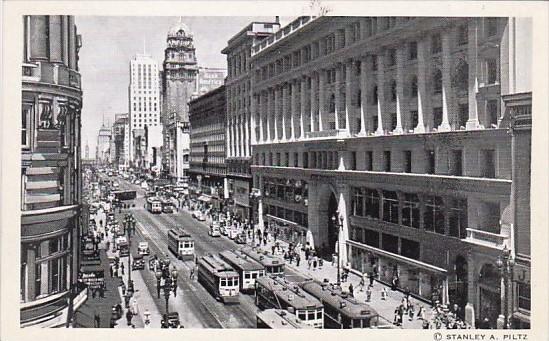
(388, 137)
(121, 141)
(179, 77)
(144, 97)
(51, 175)
(209, 78)
(207, 162)
(238, 90)
(103, 146)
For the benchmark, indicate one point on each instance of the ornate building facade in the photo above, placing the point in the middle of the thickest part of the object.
(238, 90)
(51, 183)
(396, 137)
(179, 77)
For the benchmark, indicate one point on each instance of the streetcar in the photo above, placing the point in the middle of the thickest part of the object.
(278, 319)
(247, 268)
(342, 311)
(154, 205)
(277, 292)
(218, 278)
(273, 265)
(167, 206)
(181, 244)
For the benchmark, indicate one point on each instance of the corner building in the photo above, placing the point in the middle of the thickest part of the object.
(51, 175)
(398, 126)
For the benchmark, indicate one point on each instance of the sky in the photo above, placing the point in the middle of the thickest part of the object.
(109, 43)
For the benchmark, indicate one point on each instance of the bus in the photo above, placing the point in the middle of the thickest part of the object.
(154, 205)
(276, 292)
(273, 265)
(218, 278)
(247, 268)
(342, 311)
(181, 244)
(278, 319)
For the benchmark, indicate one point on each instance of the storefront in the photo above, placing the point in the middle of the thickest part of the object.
(286, 230)
(424, 281)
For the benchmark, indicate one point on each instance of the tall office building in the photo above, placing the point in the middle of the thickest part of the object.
(51, 174)
(144, 95)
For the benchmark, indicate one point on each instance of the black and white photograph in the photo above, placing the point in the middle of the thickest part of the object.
(292, 170)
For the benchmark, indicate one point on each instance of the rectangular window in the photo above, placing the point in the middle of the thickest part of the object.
(414, 118)
(369, 160)
(433, 216)
(410, 210)
(462, 35)
(463, 115)
(389, 243)
(523, 295)
(390, 207)
(371, 197)
(296, 159)
(492, 113)
(371, 238)
(38, 278)
(430, 154)
(492, 217)
(455, 160)
(286, 159)
(25, 124)
(412, 50)
(436, 43)
(387, 160)
(305, 160)
(491, 71)
(409, 248)
(457, 212)
(491, 27)
(394, 120)
(488, 164)
(437, 117)
(358, 202)
(353, 160)
(407, 158)
(374, 123)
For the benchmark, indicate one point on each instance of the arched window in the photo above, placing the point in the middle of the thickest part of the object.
(331, 105)
(413, 87)
(393, 90)
(437, 82)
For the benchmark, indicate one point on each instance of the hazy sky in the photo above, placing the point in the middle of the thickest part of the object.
(108, 44)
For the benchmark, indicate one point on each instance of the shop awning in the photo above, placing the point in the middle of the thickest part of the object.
(400, 258)
(282, 221)
(205, 198)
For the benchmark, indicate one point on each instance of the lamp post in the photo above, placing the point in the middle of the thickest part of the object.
(337, 220)
(505, 264)
(255, 196)
(158, 275)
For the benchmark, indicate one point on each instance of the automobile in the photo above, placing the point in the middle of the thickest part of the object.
(138, 262)
(167, 209)
(196, 213)
(232, 233)
(214, 232)
(241, 238)
(171, 321)
(223, 229)
(202, 217)
(143, 248)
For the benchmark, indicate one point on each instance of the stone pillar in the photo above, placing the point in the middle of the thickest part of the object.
(363, 95)
(246, 134)
(321, 99)
(241, 137)
(268, 115)
(261, 223)
(314, 101)
(293, 109)
(302, 108)
(400, 55)
(421, 86)
(446, 82)
(276, 111)
(472, 59)
(44, 285)
(261, 112)
(348, 95)
(284, 110)
(471, 292)
(31, 273)
(344, 210)
(253, 112)
(337, 93)
(380, 92)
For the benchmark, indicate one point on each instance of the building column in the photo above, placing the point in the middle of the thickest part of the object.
(302, 100)
(284, 110)
(471, 292)
(343, 210)
(246, 124)
(380, 92)
(261, 112)
(337, 93)
(348, 95)
(472, 59)
(399, 89)
(421, 86)
(314, 102)
(321, 99)
(268, 115)
(228, 134)
(363, 96)
(276, 110)
(253, 112)
(446, 82)
(293, 109)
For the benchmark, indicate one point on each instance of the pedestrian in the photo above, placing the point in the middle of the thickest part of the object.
(425, 324)
(102, 291)
(307, 253)
(394, 283)
(309, 262)
(191, 276)
(420, 312)
(129, 317)
(395, 318)
(384, 293)
(147, 315)
(351, 290)
(334, 259)
(400, 315)
(111, 271)
(371, 278)
(290, 256)
(315, 261)
(297, 259)
(407, 295)
(369, 294)
(273, 249)
(122, 268)
(410, 312)
(265, 241)
(96, 320)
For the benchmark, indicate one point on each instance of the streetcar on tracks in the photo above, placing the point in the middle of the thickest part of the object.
(248, 269)
(342, 311)
(273, 265)
(218, 278)
(154, 205)
(181, 243)
(278, 319)
(277, 292)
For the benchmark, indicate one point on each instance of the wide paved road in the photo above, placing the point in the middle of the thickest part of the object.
(196, 306)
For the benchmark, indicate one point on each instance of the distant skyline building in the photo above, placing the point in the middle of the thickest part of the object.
(121, 140)
(143, 94)
(103, 147)
(209, 78)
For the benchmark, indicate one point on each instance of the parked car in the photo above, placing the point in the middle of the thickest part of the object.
(241, 238)
(143, 248)
(201, 217)
(138, 263)
(214, 232)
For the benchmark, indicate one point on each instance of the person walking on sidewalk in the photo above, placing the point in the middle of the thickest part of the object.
(371, 278)
(362, 282)
(122, 268)
(129, 317)
(309, 262)
(297, 259)
(111, 271)
(383, 293)
(315, 261)
(369, 294)
(351, 290)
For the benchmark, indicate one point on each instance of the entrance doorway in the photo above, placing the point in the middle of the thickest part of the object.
(489, 295)
(332, 227)
(457, 285)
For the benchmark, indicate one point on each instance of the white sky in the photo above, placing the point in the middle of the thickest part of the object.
(108, 44)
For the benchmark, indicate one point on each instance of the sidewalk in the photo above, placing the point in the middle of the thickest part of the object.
(385, 308)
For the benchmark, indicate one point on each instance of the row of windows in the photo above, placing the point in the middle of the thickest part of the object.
(292, 191)
(300, 218)
(412, 210)
(390, 243)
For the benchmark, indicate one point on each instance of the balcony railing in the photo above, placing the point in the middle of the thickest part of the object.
(282, 33)
(327, 133)
(485, 238)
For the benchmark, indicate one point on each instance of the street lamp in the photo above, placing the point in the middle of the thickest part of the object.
(255, 196)
(158, 275)
(505, 265)
(339, 224)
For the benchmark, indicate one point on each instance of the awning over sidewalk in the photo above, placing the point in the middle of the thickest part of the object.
(204, 198)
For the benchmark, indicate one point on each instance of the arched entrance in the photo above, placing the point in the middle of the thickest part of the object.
(332, 227)
(489, 296)
(458, 284)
